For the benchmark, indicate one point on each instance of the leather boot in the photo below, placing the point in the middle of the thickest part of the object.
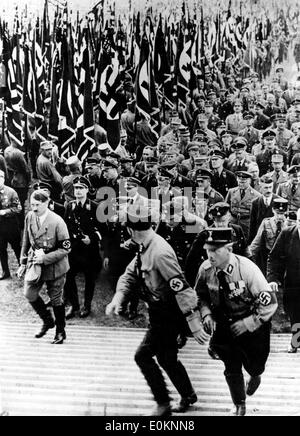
(237, 390)
(45, 315)
(163, 409)
(60, 321)
(252, 385)
(185, 403)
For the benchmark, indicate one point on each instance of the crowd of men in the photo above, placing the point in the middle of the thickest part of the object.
(228, 160)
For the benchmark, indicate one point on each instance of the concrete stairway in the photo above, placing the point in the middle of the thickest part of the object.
(94, 373)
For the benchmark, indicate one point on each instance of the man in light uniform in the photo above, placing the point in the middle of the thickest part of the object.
(236, 305)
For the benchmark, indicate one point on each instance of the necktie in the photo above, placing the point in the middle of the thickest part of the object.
(38, 222)
(138, 262)
(242, 193)
(294, 189)
(277, 176)
(79, 206)
(278, 228)
(223, 288)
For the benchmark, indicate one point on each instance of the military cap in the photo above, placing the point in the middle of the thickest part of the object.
(163, 172)
(278, 69)
(169, 164)
(202, 117)
(260, 105)
(248, 115)
(280, 204)
(269, 134)
(81, 181)
(211, 93)
(277, 157)
(266, 179)
(218, 236)
(124, 160)
(239, 143)
(220, 124)
(92, 161)
(294, 170)
(245, 87)
(200, 138)
(140, 217)
(203, 173)
(200, 159)
(192, 146)
(243, 175)
(219, 209)
(109, 164)
(225, 133)
(184, 131)
(133, 181)
(42, 185)
(217, 153)
(246, 81)
(214, 143)
(152, 160)
(113, 155)
(73, 160)
(46, 145)
(223, 90)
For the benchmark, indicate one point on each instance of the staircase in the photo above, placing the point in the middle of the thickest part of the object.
(94, 374)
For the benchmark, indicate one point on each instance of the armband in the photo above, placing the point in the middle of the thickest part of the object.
(65, 244)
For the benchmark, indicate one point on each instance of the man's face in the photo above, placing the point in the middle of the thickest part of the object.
(147, 153)
(209, 110)
(281, 124)
(163, 182)
(295, 178)
(110, 173)
(277, 166)
(123, 140)
(269, 143)
(131, 190)
(249, 122)
(254, 171)
(47, 153)
(80, 192)
(202, 124)
(243, 183)
(227, 140)
(218, 257)
(237, 108)
(37, 207)
(203, 183)
(240, 154)
(194, 152)
(279, 216)
(222, 221)
(152, 169)
(267, 189)
(216, 162)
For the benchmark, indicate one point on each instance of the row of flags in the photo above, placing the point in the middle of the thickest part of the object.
(69, 74)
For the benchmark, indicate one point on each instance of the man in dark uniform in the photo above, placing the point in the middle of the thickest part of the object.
(220, 213)
(150, 180)
(283, 268)
(262, 207)
(291, 189)
(251, 134)
(264, 159)
(170, 301)
(267, 233)
(203, 180)
(46, 243)
(236, 305)
(46, 171)
(261, 121)
(80, 218)
(10, 233)
(222, 180)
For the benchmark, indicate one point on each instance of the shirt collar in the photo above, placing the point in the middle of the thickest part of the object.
(229, 267)
(148, 239)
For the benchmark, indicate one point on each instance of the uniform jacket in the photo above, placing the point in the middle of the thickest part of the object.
(265, 237)
(241, 206)
(261, 122)
(163, 279)
(284, 261)
(264, 161)
(282, 138)
(285, 191)
(53, 238)
(258, 212)
(47, 172)
(223, 182)
(252, 135)
(251, 297)
(9, 201)
(3, 167)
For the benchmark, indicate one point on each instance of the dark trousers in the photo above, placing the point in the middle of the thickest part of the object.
(10, 236)
(161, 341)
(22, 194)
(250, 350)
(71, 290)
(291, 303)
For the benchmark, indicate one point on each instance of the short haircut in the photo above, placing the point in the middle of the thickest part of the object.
(40, 195)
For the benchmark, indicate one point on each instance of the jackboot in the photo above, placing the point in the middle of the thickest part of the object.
(60, 321)
(45, 315)
(237, 390)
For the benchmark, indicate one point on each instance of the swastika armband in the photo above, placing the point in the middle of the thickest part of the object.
(266, 298)
(65, 244)
(178, 284)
